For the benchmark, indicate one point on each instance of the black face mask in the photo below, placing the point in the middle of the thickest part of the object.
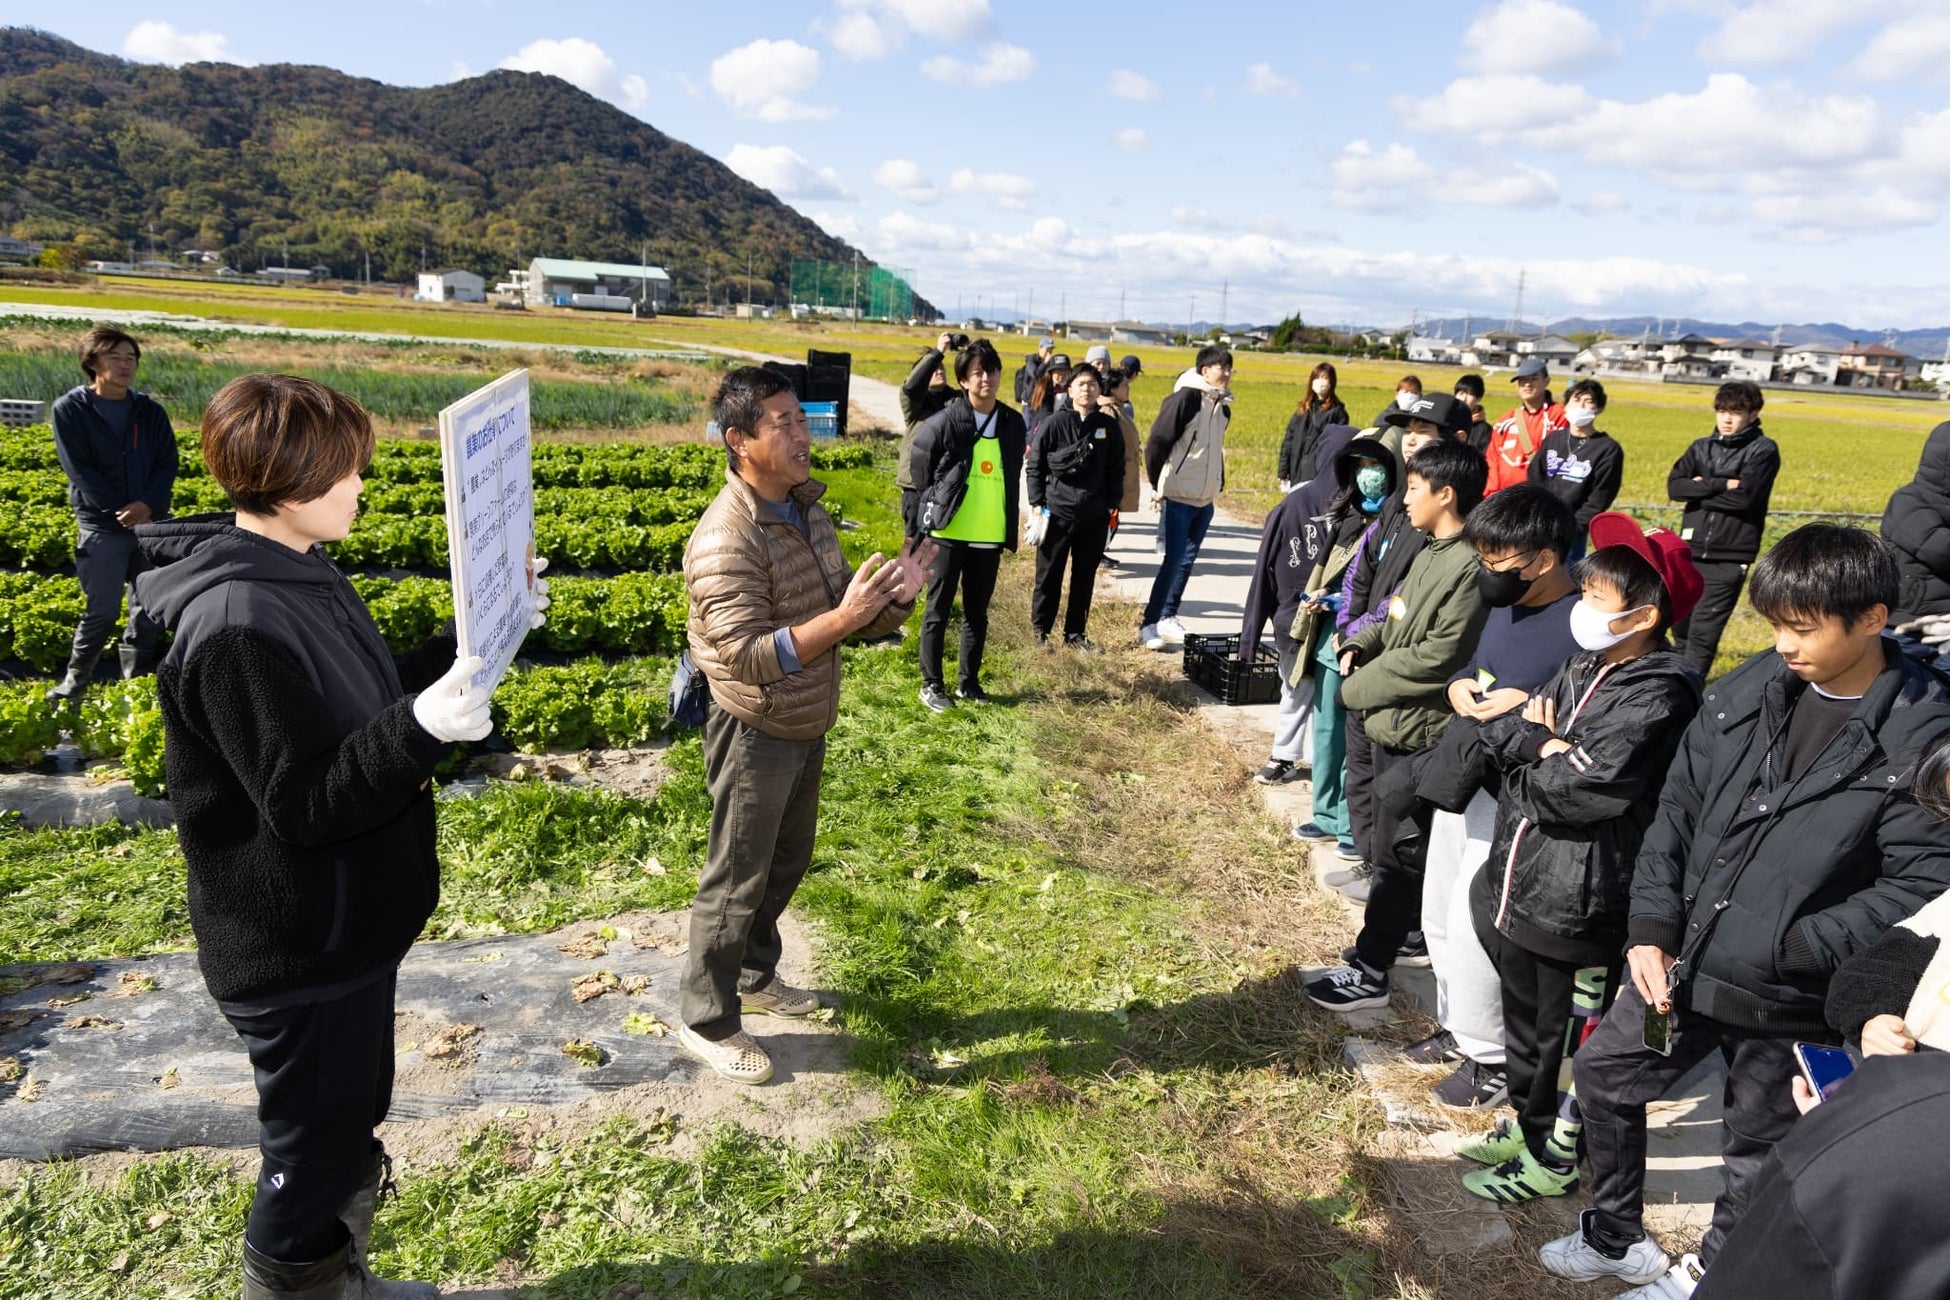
(1502, 587)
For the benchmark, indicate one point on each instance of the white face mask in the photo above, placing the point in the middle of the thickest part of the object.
(1591, 628)
(1321, 386)
(1581, 417)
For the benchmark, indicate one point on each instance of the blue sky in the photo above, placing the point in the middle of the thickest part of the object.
(1733, 159)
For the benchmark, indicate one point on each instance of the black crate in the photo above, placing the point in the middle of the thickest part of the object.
(1212, 662)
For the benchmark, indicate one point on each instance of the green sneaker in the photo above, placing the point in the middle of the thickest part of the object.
(1520, 1178)
(1504, 1142)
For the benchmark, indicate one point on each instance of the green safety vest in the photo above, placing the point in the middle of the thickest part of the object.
(984, 512)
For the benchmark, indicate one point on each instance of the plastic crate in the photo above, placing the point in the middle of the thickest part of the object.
(1212, 663)
(823, 418)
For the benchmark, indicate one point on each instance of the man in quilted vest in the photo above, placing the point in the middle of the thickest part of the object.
(771, 600)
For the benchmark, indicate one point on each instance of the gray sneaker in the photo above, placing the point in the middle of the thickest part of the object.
(1345, 876)
(936, 699)
(778, 998)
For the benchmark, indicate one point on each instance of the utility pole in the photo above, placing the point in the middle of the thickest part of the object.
(1191, 318)
(856, 285)
(1516, 315)
(1225, 292)
(1063, 307)
(748, 283)
(1032, 305)
(1120, 302)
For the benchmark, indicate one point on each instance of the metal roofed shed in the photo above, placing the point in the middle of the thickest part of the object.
(558, 279)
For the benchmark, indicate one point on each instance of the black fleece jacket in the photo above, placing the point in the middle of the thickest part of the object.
(1917, 527)
(1719, 522)
(105, 472)
(298, 774)
(1762, 887)
(1300, 458)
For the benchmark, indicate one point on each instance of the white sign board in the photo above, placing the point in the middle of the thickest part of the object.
(484, 456)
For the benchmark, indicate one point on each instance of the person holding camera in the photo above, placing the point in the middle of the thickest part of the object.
(1076, 481)
(925, 393)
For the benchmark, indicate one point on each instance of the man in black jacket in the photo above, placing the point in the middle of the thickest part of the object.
(119, 454)
(1725, 482)
(1916, 525)
(967, 468)
(1786, 841)
(924, 394)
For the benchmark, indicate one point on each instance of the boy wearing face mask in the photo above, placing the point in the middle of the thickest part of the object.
(1581, 768)
(1521, 536)
(1581, 465)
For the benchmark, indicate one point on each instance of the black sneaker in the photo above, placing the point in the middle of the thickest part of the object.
(1437, 1049)
(1043, 642)
(1473, 1086)
(1082, 644)
(1278, 772)
(936, 699)
(972, 693)
(1354, 987)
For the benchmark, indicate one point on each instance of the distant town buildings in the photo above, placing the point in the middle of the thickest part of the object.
(1696, 358)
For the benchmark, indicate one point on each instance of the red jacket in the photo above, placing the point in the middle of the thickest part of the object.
(1516, 439)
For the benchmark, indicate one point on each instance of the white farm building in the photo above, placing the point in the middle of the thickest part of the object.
(451, 286)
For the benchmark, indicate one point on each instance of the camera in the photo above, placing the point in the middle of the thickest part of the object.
(956, 342)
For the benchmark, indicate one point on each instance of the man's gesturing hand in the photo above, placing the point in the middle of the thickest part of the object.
(915, 562)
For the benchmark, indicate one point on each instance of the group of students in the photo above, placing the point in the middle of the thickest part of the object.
(1614, 870)
(969, 460)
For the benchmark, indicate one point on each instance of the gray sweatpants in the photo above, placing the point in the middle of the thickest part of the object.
(764, 816)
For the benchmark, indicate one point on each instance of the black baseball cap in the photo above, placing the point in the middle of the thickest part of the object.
(1131, 366)
(1531, 367)
(1439, 409)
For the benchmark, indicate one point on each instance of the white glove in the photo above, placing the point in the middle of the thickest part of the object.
(453, 710)
(541, 593)
(1035, 526)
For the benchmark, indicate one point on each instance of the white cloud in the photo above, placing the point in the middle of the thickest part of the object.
(784, 172)
(1516, 186)
(1006, 188)
(154, 41)
(766, 80)
(1774, 31)
(582, 64)
(904, 177)
(1132, 139)
(1001, 62)
(1262, 80)
(1533, 36)
(1907, 49)
(1366, 180)
(840, 225)
(1494, 108)
(873, 29)
(1125, 84)
(1603, 201)
(859, 35)
(1821, 218)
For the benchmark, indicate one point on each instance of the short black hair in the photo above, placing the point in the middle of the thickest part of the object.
(1628, 573)
(1471, 384)
(1213, 354)
(1823, 571)
(1739, 395)
(1584, 387)
(1448, 463)
(1523, 518)
(980, 350)
(740, 402)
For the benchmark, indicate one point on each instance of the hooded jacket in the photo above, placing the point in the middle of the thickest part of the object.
(296, 769)
(1404, 661)
(106, 473)
(941, 456)
(1569, 827)
(1722, 523)
(750, 572)
(1076, 470)
(1300, 457)
(920, 402)
(1387, 552)
(1761, 888)
(1184, 458)
(1850, 1205)
(1917, 525)
(1298, 532)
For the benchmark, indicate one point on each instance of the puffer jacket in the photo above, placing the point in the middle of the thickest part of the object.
(1802, 876)
(1184, 458)
(1723, 523)
(1300, 457)
(1917, 526)
(920, 402)
(942, 455)
(1569, 827)
(749, 573)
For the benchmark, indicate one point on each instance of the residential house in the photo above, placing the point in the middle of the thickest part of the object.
(1809, 365)
(451, 286)
(1089, 331)
(1434, 351)
(1551, 349)
(20, 250)
(1747, 359)
(1874, 366)
(557, 279)
(1136, 331)
(1689, 356)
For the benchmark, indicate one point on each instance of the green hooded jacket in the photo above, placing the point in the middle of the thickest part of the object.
(1407, 657)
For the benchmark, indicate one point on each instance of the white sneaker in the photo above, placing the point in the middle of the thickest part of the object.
(1148, 637)
(1573, 1257)
(1172, 630)
(1677, 1284)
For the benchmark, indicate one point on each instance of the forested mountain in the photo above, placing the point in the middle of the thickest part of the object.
(476, 173)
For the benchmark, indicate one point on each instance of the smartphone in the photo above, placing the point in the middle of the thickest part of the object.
(1658, 1030)
(1823, 1067)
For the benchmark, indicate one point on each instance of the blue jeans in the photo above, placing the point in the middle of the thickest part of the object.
(1184, 529)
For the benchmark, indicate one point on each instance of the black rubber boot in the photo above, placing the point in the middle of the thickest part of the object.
(71, 687)
(276, 1279)
(356, 1214)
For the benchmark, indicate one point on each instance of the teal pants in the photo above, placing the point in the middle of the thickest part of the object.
(1330, 745)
